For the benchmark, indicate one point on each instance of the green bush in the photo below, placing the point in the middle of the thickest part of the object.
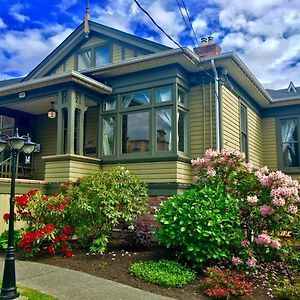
(98, 202)
(202, 225)
(164, 272)
(284, 289)
(4, 239)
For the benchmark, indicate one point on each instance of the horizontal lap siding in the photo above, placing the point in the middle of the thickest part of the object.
(45, 135)
(230, 120)
(269, 143)
(255, 138)
(202, 119)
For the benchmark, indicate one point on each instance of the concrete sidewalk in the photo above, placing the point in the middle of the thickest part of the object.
(68, 284)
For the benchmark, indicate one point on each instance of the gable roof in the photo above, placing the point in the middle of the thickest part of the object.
(78, 35)
(290, 93)
(7, 82)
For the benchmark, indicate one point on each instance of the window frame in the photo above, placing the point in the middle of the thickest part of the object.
(280, 160)
(244, 133)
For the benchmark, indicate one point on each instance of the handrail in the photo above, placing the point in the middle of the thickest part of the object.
(5, 161)
(5, 168)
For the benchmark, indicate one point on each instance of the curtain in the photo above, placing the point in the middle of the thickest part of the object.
(136, 99)
(289, 136)
(108, 136)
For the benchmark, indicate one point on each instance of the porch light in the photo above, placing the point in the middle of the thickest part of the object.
(52, 112)
(15, 145)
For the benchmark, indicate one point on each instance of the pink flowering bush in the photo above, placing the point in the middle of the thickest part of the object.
(269, 201)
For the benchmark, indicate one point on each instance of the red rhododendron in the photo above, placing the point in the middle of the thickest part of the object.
(32, 192)
(22, 200)
(49, 228)
(56, 240)
(6, 216)
(45, 198)
(67, 229)
(64, 237)
(50, 249)
(55, 195)
(69, 254)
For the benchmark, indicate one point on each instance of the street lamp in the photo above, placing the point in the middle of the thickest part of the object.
(15, 144)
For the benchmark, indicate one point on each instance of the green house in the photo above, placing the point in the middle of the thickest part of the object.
(121, 99)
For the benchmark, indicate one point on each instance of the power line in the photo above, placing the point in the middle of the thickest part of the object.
(186, 24)
(189, 18)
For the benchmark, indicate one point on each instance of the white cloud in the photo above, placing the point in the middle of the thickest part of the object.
(2, 24)
(64, 5)
(15, 10)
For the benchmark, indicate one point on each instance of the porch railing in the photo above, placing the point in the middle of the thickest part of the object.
(5, 169)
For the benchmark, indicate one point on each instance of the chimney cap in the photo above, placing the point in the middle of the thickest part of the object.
(210, 40)
(203, 41)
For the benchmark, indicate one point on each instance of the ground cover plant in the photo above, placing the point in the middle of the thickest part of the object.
(163, 272)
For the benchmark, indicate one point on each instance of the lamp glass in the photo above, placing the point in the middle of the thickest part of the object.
(51, 114)
(28, 147)
(16, 142)
(2, 145)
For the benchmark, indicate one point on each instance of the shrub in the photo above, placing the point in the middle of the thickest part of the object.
(4, 239)
(224, 283)
(284, 289)
(164, 272)
(98, 202)
(46, 222)
(201, 224)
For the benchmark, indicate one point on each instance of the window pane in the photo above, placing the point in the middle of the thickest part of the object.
(135, 132)
(102, 56)
(244, 143)
(182, 131)
(84, 60)
(163, 94)
(290, 147)
(181, 97)
(243, 119)
(164, 130)
(108, 140)
(139, 98)
(110, 105)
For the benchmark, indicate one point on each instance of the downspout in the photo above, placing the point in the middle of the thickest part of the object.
(217, 104)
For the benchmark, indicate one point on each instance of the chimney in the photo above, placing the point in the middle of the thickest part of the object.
(208, 48)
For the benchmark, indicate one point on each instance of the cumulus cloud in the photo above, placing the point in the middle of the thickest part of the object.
(15, 11)
(64, 5)
(2, 24)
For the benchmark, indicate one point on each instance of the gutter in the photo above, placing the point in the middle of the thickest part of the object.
(56, 79)
(217, 104)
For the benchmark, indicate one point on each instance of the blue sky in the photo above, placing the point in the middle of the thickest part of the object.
(264, 33)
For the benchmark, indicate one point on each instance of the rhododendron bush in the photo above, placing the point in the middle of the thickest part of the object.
(268, 202)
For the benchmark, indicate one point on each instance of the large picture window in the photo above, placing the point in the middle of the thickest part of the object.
(144, 123)
(289, 131)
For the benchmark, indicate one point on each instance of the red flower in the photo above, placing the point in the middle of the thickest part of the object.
(64, 249)
(69, 254)
(56, 240)
(25, 214)
(64, 203)
(64, 237)
(6, 216)
(22, 200)
(60, 208)
(49, 228)
(51, 207)
(55, 195)
(27, 248)
(45, 198)
(39, 234)
(67, 229)
(50, 249)
(32, 192)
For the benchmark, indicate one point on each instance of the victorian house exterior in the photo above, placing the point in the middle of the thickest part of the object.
(121, 99)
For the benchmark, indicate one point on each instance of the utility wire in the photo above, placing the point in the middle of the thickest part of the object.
(186, 24)
(189, 18)
(176, 43)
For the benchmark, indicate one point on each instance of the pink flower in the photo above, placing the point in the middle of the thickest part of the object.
(275, 244)
(263, 240)
(252, 199)
(196, 179)
(266, 210)
(236, 261)
(211, 171)
(278, 201)
(251, 262)
(292, 209)
(245, 243)
(249, 167)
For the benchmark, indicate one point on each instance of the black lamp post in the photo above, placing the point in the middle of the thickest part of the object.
(16, 144)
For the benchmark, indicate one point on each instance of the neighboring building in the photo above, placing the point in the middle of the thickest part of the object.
(121, 99)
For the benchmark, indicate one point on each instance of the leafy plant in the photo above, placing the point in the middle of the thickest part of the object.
(100, 200)
(4, 239)
(164, 272)
(284, 289)
(203, 225)
(225, 283)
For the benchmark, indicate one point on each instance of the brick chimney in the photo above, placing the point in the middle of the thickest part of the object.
(208, 48)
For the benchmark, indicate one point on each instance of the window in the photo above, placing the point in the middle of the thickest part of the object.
(135, 132)
(289, 142)
(102, 56)
(244, 130)
(84, 60)
(142, 123)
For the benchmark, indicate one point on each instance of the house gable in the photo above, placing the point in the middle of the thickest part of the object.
(117, 46)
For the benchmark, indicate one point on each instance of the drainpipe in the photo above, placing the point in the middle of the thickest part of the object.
(217, 104)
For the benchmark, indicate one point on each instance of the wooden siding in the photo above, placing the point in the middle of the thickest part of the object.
(45, 135)
(269, 143)
(230, 120)
(255, 136)
(202, 119)
(160, 172)
(62, 168)
(70, 63)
